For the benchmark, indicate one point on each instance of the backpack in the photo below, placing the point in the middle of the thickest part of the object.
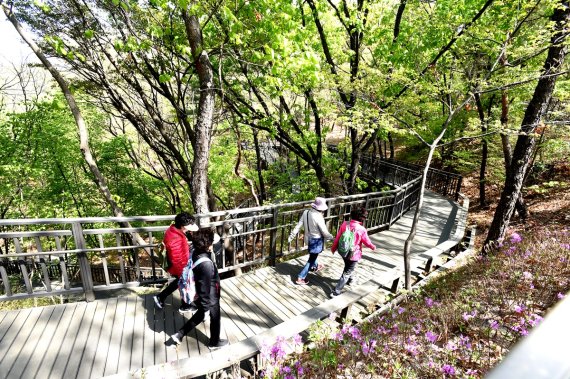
(186, 283)
(346, 242)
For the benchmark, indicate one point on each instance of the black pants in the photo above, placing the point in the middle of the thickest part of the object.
(215, 317)
(349, 267)
(168, 290)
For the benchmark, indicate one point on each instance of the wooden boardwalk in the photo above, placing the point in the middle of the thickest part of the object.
(125, 333)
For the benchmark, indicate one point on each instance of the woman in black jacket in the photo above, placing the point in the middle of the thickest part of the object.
(207, 281)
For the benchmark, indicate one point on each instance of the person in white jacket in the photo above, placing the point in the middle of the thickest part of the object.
(316, 233)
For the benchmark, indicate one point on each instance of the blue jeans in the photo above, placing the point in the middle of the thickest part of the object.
(312, 262)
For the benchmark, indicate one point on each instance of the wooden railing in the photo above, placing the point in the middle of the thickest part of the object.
(46, 257)
(443, 182)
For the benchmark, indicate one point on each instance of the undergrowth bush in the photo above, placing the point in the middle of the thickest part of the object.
(459, 325)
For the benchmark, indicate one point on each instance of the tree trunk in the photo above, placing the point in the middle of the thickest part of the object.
(525, 142)
(520, 205)
(248, 182)
(484, 153)
(391, 145)
(203, 130)
(507, 151)
(262, 195)
(412, 235)
(376, 149)
(354, 164)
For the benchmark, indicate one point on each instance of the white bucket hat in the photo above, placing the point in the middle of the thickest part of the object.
(191, 227)
(320, 204)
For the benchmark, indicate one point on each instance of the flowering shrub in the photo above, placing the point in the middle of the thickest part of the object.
(459, 325)
(274, 356)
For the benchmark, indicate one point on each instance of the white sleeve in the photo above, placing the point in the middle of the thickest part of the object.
(297, 228)
(323, 228)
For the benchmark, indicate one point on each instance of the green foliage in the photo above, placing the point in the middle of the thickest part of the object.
(226, 184)
(554, 148)
(270, 65)
(44, 173)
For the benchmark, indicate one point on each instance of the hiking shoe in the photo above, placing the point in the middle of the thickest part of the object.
(185, 308)
(318, 268)
(221, 343)
(302, 282)
(159, 304)
(334, 294)
(177, 338)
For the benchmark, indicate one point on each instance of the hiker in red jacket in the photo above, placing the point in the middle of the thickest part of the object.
(177, 254)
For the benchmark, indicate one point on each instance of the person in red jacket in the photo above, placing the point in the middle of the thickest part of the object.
(177, 253)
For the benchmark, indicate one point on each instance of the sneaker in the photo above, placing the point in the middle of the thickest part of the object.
(177, 338)
(318, 268)
(158, 303)
(334, 294)
(302, 282)
(221, 343)
(185, 308)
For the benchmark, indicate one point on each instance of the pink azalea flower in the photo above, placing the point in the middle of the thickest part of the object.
(297, 339)
(516, 238)
(535, 320)
(448, 370)
(431, 337)
(519, 309)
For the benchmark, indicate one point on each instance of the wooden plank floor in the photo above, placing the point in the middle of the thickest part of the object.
(125, 333)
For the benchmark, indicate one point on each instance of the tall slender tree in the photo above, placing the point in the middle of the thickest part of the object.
(534, 114)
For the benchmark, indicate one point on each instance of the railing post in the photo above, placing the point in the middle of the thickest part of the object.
(345, 314)
(84, 266)
(62, 265)
(4, 276)
(392, 209)
(458, 188)
(273, 238)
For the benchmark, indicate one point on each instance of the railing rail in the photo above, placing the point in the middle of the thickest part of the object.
(58, 256)
(442, 182)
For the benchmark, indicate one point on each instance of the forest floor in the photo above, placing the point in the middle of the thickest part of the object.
(547, 195)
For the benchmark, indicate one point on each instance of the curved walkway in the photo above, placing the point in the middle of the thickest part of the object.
(121, 335)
